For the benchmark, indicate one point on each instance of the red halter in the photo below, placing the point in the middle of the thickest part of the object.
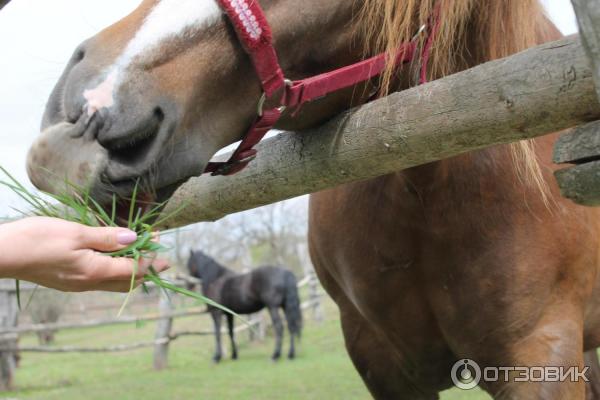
(254, 33)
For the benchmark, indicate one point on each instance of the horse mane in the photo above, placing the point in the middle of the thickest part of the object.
(470, 32)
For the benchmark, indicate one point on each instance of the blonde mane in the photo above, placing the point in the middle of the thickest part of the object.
(471, 32)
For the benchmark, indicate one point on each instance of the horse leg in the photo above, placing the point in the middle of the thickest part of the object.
(292, 352)
(556, 341)
(216, 316)
(234, 353)
(379, 369)
(592, 387)
(278, 327)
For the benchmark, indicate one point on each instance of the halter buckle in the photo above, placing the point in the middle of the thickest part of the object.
(226, 167)
(263, 99)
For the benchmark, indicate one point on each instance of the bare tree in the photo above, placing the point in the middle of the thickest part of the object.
(267, 235)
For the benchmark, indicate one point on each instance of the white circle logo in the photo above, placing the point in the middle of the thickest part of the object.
(465, 374)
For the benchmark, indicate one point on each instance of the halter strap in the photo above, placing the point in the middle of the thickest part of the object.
(254, 33)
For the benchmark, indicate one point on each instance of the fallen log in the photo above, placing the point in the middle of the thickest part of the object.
(536, 92)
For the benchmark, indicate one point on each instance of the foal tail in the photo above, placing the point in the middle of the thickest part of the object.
(291, 305)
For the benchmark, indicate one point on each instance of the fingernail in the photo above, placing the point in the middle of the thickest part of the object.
(126, 237)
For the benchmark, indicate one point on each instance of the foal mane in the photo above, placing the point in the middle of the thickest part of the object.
(470, 32)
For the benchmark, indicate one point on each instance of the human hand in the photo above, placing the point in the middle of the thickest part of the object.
(68, 256)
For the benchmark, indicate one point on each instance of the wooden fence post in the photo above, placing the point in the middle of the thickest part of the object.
(8, 319)
(258, 327)
(581, 146)
(313, 283)
(163, 331)
(588, 19)
(315, 298)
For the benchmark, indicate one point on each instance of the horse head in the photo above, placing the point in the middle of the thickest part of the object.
(203, 267)
(152, 98)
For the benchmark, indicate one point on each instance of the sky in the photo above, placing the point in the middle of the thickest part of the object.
(37, 38)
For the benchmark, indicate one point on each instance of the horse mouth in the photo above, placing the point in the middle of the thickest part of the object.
(133, 201)
(127, 211)
(116, 171)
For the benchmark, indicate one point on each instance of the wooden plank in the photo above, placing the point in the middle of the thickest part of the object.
(588, 19)
(100, 322)
(581, 183)
(580, 144)
(163, 330)
(8, 319)
(530, 94)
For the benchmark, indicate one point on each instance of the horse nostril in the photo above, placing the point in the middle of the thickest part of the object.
(159, 114)
(79, 55)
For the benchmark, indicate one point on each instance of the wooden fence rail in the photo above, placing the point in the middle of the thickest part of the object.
(99, 322)
(165, 318)
(128, 347)
(536, 92)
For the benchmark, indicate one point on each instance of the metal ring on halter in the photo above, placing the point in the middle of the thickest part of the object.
(263, 100)
(421, 30)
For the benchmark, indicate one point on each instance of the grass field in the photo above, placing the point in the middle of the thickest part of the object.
(322, 370)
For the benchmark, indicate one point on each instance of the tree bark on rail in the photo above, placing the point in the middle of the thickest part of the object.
(539, 91)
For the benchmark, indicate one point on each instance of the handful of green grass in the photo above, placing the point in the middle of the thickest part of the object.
(76, 205)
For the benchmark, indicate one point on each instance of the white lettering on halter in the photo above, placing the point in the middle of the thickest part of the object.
(168, 19)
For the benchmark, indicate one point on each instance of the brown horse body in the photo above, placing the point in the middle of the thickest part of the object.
(457, 260)
(460, 259)
(463, 258)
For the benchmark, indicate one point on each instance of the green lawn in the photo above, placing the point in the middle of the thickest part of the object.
(322, 370)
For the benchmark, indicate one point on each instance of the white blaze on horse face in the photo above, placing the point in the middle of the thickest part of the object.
(102, 95)
(168, 19)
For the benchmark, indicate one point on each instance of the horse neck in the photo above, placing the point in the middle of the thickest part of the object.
(217, 271)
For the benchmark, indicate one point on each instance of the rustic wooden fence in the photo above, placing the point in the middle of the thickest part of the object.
(164, 335)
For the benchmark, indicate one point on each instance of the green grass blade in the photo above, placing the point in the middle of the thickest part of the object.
(167, 285)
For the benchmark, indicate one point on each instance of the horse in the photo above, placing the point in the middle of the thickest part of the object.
(264, 287)
(475, 257)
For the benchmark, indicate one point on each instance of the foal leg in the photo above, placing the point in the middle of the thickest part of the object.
(592, 388)
(234, 353)
(216, 316)
(278, 327)
(380, 370)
